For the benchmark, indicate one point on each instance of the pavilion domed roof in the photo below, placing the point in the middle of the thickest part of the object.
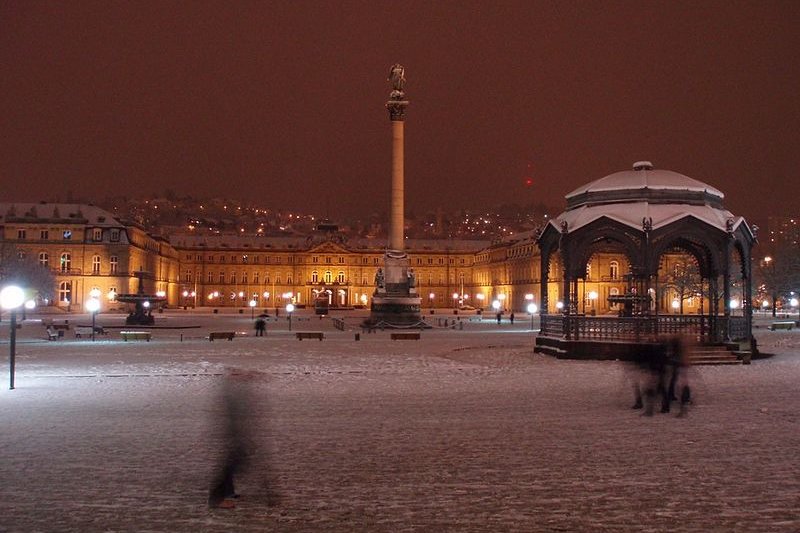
(644, 195)
(633, 184)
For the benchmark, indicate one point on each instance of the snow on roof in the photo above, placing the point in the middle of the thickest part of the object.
(645, 178)
(93, 215)
(632, 213)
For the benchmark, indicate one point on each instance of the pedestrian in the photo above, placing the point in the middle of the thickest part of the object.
(261, 325)
(511, 317)
(499, 317)
(234, 422)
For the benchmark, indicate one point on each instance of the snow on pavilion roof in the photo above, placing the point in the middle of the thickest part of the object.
(659, 197)
(646, 179)
(633, 213)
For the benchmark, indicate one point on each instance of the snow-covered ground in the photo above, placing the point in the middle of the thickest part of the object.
(463, 430)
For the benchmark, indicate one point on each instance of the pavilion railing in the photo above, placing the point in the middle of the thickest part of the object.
(703, 327)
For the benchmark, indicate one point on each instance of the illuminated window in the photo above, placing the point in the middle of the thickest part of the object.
(314, 277)
(255, 275)
(114, 261)
(66, 262)
(340, 277)
(65, 291)
(114, 235)
(21, 234)
(209, 277)
(97, 234)
(613, 269)
(96, 264)
(44, 259)
(328, 276)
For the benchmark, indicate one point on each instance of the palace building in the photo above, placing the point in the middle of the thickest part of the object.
(636, 242)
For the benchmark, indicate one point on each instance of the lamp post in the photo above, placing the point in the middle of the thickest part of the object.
(252, 309)
(794, 302)
(11, 297)
(289, 309)
(592, 298)
(532, 311)
(93, 305)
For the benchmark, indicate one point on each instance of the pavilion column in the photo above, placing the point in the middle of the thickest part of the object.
(544, 278)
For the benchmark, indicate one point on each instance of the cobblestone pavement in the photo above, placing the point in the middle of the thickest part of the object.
(473, 435)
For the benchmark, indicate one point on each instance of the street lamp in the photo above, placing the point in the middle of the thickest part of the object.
(675, 305)
(532, 311)
(93, 305)
(455, 300)
(11, 297)
(289, 309)
(252, 308)
(794, 302)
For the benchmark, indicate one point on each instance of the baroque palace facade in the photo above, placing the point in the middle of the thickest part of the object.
(87, 248)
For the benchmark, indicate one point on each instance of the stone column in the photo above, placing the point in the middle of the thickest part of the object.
(397, 107)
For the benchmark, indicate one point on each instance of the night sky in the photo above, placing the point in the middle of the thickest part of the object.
(282, 103)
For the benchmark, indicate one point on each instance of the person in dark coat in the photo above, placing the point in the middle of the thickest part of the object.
(261, 326)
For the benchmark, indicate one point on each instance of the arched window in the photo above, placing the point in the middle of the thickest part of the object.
(340, 277)
(66, 262)
(44, 259)
(65, 292)
(613, 291)
(613, 269)
(95, 264)
(114, 261)
(314, 277)
(328, 277)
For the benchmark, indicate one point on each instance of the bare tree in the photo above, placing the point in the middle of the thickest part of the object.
(18, 268)
(684, 281)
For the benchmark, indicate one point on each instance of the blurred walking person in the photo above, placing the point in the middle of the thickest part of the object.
(235, 441)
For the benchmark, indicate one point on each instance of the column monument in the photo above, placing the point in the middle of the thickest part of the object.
(395, 302)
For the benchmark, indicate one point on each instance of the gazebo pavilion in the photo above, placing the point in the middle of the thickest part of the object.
(642, 215)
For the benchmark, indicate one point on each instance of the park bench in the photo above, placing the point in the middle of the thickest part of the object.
(52, 335)
(309, 335)
(135, 335)
(83, 331)
(221, 335)
(781, 325)
(86, 331)
(405, 336)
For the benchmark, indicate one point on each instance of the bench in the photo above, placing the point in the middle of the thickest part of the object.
(52, 335)
(135, 335)
(309, 335)
(83, 331)
(781, 325)
(404, 336)
(221, 335)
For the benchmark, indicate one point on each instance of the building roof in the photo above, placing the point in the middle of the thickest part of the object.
(40, 212)
(644, 176)
(646, 196)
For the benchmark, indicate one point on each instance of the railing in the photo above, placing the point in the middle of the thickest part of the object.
(704, 328)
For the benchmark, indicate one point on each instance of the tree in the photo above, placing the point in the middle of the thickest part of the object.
(17, 268)
(780, 273)
(684, 281)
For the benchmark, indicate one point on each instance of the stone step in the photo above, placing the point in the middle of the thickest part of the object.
(713, 355)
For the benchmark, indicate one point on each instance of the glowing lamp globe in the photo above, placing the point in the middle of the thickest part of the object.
(11, 297)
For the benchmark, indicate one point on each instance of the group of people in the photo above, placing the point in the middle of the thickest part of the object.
(661, 374)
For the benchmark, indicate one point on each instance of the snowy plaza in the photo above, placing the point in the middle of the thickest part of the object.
(465, 429)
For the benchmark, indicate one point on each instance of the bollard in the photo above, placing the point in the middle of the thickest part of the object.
(181, 337)
(358, 336)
